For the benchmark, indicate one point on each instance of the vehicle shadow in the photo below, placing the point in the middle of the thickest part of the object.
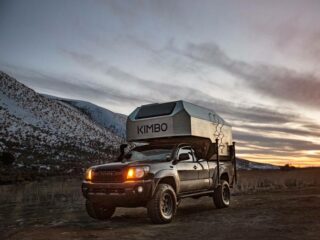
(133, 217)
(189, 208)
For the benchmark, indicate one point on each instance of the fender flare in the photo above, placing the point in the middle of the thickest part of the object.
(166, 173)
(223, 170)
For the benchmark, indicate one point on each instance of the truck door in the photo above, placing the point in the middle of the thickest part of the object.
(187, 171)
(202, 168)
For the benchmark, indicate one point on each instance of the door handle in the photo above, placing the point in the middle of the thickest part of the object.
(194, 167)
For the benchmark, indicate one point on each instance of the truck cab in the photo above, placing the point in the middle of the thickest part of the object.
(156, 172)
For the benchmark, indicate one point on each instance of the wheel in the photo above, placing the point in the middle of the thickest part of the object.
(163, 205)
(98, 211)
(221, 195)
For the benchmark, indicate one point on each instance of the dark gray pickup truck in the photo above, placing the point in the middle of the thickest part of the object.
(177, 159)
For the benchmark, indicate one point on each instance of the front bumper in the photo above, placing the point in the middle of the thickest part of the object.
(124, 194)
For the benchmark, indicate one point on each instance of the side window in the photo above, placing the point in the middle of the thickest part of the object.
(186, 150)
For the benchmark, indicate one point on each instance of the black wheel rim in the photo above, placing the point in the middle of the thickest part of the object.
(226, 194)
(166, 205)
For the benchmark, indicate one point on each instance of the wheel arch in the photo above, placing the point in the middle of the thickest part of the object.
(168, 177)
(225, 176)
(170, 181)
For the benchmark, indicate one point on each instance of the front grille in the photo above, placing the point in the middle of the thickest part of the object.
(106, 191)
(107, 176)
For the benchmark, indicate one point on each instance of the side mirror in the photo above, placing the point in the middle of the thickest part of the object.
(122, 147)
(183, 157)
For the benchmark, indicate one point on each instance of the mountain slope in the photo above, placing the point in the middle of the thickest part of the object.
(114, 122)
(243, 164)
(39, 127)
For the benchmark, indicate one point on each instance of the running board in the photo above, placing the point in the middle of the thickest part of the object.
(205, 193)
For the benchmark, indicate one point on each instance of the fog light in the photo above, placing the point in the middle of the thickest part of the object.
(140, 189)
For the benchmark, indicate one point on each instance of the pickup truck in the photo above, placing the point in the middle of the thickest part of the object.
(157, 172)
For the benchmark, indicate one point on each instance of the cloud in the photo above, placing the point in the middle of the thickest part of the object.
(275, 82)
(295, 37)
(150, 90)
(276, 144)
(247, 114)
(69, 86)
(280, 130)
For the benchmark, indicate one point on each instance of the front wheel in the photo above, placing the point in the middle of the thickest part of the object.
(163, 205)
(221, 195)
(98, 211)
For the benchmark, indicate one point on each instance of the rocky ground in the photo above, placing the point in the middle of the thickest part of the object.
(293, 213)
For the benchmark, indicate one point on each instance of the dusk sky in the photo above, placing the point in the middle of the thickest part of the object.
(256, 63)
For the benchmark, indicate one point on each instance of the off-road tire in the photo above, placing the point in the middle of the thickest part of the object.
(221, 195)
(98, 211)
(163, 205)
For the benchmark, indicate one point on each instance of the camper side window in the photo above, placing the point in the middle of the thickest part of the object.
(186, 150)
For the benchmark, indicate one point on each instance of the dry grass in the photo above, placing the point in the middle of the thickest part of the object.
(257, 180)
(66, 190)
(49, 191)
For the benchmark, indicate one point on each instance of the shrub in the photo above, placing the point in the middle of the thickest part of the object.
(7, 158)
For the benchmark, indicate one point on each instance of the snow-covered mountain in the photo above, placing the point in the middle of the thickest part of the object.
(34, 126)
(114, 122)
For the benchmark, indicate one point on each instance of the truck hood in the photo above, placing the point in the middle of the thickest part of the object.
(112, 165)
(120, 165)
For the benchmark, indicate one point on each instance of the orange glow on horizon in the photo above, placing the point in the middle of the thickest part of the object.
(281, 161)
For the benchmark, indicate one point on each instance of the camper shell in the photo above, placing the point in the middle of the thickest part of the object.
(179, 121)
(174, 150)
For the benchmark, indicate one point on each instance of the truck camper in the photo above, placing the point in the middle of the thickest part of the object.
(174, 150)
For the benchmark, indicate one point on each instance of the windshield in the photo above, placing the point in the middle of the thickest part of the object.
(150, 153)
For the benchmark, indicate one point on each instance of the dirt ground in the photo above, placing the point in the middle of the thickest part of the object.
(289, 214)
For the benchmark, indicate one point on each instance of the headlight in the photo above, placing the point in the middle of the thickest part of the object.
(88, 174)
(137, 172)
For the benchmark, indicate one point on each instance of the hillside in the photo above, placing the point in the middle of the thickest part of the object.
(114, 122)
(38, 128)
(243, 164)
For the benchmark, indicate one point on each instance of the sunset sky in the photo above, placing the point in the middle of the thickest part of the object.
(256, 63)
